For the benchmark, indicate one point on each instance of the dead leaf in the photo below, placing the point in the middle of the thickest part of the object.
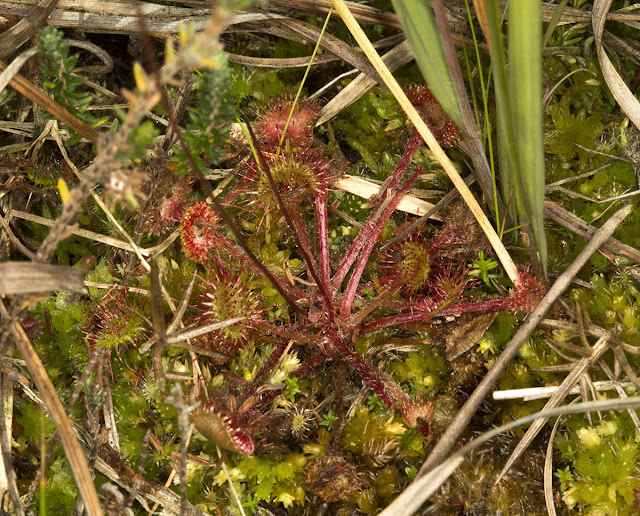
(465, 332)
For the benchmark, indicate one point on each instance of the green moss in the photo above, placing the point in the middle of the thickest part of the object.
(424, 369)
(60, 488)
(374, 439)
(273, 479)
(373, 127)
(615, 300)
(603, 471)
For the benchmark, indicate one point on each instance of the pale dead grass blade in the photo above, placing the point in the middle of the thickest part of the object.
(10, 72)
(97, 237)
(201, 330)
(72, 448)
(366, 189)
(619, 387)
(182, 306)
(422, 128)
(15, 240)
(365, 14)
(549, 94)
(300, 62)
(119, 16)
(394, 59)
(536, 393)
(19, 34)
(578, 226)
(8, 479)
(620, 91)
(548, 471)
(157, 316)
(329, 42)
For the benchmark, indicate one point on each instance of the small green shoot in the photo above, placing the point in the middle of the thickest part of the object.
(328, 420)
(482, 268)
(565, 476)
(292, 389)
(570, 454)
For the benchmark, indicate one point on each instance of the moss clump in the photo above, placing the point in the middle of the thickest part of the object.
(272, 479)
(472, 488)
(615, 300)
(603, 471)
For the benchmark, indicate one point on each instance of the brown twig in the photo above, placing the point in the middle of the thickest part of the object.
(19, 34)
(39, 97)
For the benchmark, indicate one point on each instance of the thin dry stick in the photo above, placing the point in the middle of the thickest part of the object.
(367, 190)
(39, 97)
(621, 392)
(16, 36)
(231, 486)
(448, 197)
(177, 400)
(55, 438)
(419, 124)
(98, 237)
(467, 411)
(157, 314)
(548, 471)
(536, 393)
(578, 226)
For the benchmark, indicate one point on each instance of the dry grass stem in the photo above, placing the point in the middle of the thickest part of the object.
(579, 368)
(410, 500)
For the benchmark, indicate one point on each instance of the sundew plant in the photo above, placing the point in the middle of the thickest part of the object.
(268, 324)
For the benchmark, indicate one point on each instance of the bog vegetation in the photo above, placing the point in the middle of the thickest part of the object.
(270, 323)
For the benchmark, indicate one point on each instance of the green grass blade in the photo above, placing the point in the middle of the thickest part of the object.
(506, 146)
(419, 25)
(525, 84)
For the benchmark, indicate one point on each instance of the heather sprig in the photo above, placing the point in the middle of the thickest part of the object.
(208, 123)
(57, 68)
